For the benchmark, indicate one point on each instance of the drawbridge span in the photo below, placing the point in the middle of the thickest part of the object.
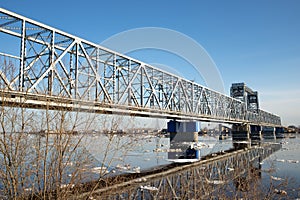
(43, 67)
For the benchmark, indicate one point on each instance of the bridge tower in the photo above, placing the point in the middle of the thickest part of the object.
(243, 93)
(246, 131)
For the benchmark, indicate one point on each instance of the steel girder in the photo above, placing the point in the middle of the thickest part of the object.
(49, 65)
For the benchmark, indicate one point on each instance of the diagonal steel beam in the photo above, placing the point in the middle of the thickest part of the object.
(130, 82)
(6, 81)
(62, 83)
(51, 67)
(152, 88)
(172, 94)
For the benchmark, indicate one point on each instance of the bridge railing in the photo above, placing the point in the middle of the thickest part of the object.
(37, 59)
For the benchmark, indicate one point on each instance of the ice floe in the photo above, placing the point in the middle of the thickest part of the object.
(276, 178)
(147, 187)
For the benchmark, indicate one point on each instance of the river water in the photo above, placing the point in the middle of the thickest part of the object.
(143, 151)
(282, 168)
(134, 153)
(280, 171)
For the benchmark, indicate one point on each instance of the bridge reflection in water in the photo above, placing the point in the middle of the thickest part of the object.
(226, 173)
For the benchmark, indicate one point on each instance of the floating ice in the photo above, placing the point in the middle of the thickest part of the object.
(293, 161)
(215, 182)
(150, 188)
(282, 192)
(276, 178)
(230, 169)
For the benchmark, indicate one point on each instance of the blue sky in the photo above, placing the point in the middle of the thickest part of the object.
(256, 42)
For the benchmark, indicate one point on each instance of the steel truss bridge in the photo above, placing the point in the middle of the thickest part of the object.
(42, 67)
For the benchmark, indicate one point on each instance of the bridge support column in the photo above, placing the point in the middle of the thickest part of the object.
(240, 132)
(241, 136)
(268, 132)
(279, 132)
(183, 135)
(255, 132)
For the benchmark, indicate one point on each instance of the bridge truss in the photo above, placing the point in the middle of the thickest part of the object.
(41, 67)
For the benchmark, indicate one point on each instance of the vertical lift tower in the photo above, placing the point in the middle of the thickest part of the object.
(250, 98)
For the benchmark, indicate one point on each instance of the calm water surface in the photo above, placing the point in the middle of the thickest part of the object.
(282, 169)
(143, 151)
(134, 153)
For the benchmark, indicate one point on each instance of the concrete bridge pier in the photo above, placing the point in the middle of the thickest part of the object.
(241, 136)
(240, 132)
(183, 136)
(268, 132)
(255, 134)
(279, 132)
